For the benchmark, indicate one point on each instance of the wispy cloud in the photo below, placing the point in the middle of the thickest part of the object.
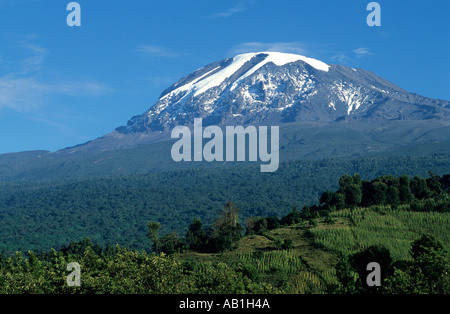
(57, 125)
(34, 48)
(288, 47)
(362, 52)
(19, 94)
(156, 51)
(229, 12)
(322, 51)
(27, 94)
(32, 64)
(35, 61)
(341, 58)
(349, 57)
(27, 87)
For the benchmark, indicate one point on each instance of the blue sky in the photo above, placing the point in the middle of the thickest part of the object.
(61, 86)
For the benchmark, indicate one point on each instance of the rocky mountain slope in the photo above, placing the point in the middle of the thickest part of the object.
(276, 88)
(323, 111)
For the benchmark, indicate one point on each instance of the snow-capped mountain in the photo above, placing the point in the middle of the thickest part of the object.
(308, 99)
(274, 87)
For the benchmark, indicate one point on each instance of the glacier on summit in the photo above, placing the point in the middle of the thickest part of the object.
(275, 87)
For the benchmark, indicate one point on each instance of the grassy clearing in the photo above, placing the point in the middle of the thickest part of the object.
(395, 230)
(309, 265)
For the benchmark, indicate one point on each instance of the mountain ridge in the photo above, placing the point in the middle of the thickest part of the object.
(278, 88)
(323, 111)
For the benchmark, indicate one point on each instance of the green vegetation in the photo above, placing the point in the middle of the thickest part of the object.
(321, 249)
(115, 210)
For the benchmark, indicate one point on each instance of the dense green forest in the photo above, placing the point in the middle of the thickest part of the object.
(324, 248)
(114, 210)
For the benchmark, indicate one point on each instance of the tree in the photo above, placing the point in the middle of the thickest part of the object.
(392, 196)
(250, 224)
(171, 243)
(428, 273)
(228, 216)
(261, 225)
(350, 188)
(434, 184)
(432, 260)
(196, 238)
(332, 200)
(378, 193)
(345, 181)
(256, 225)
(153, 230)
(353, 195)
(306, 212)
(78, 248)
(273, 223)
(226, 228)
(404, 191)
(419, 188)
(292, 218)
(346, 275)
(326, 197)
(359, 262)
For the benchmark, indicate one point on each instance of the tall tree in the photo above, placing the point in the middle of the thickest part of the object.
(196, 236)
(227, 229)
(153, 230)
(404, 190)
(434, 264)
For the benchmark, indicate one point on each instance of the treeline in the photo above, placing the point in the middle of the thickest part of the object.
(222, 235)
(118, 270)
(39, 216)
(422, 194)
(419, 194)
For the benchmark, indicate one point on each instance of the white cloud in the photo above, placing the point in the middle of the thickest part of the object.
(156, 51)
(19, 94)
(361, 52)
(342, 58)
(32, 64)
(345, 58)
(26, 88)
(35, 61)
(34, 48)
(27, 94)
(227, 13)
(302, 48)
(288, 47)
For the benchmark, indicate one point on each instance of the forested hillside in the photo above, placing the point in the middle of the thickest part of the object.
(323, 248)
(50, 214)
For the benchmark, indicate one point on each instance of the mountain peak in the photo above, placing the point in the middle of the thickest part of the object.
(282, 58)
(257, 87)
(216, 76)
